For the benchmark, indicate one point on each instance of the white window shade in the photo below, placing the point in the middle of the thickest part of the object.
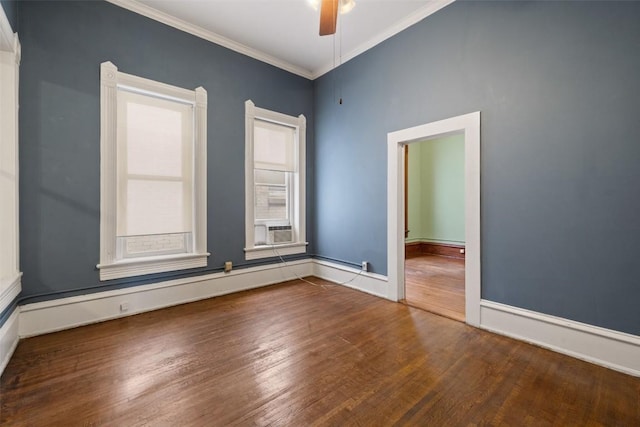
(155, 165)
(153, 138)
(274, 146)
(156, 207)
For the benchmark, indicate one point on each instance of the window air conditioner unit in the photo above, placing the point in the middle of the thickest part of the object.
(279, 234)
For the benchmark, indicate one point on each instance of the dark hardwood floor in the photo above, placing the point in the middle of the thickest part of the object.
(295, 354)
(436, 284)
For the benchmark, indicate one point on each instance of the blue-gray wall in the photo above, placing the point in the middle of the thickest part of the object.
(63, 44)
(559, 90)
(556, 84)
(11, 11)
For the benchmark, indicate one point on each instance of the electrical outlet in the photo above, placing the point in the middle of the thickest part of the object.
(365, 265)
(228, 266)
(124, 306)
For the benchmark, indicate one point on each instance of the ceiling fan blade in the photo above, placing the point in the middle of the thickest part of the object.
(328, 17)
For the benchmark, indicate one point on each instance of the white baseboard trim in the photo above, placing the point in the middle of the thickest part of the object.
(612, 349)
(8, 339)
(12, 288)
(64, 313)
(371, 283)
(605, 347)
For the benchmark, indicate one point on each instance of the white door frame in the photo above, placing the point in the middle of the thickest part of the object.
(469, 124)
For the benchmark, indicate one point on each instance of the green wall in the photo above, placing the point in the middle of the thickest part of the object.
(436, 190)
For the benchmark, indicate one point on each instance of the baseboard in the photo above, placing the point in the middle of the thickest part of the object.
(64, 313)
(412, 249)
(371, 283)
(8, 339)
(420, 247)
(612, 349)
(605, 347)
(12, 289)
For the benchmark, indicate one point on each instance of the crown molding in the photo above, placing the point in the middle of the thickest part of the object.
(414, 18)
(165, 18)
(197, 31)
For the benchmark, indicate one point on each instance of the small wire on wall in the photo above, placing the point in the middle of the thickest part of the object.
(324, 286)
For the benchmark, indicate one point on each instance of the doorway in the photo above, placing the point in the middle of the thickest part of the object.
(469, 126)
(434, 226)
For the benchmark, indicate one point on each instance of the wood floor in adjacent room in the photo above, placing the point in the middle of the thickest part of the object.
(436, 284)
(296, 354)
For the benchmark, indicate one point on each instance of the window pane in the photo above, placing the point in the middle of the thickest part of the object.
(156, 207)
(154, 141)
(157, 135)
(155, 244)
(155, 161)
(260, 234)
(271, 195)
(273, 146)
(270, 177)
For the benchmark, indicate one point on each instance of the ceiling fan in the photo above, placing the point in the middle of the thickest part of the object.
(329, 14)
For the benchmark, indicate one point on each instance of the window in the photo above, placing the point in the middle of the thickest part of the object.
(10, 275)
(275, 183)
(153, 176)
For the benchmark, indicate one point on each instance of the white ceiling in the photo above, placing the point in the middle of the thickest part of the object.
(285, 32)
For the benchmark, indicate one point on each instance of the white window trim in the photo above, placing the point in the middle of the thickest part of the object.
(10, 56)
(298, 219)
(110, 267)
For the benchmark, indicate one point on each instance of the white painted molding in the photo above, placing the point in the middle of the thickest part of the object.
(142, 9)
(605, 347)
(110, 266)
(8, 339)
(249, 117)
(12, 288)
(469, 125)
(371, 283)
(10, 274)
(197, 31)
(611, 349)
(300, 182)
(434, 241)
(429, 9)
(108, 161)
(55, 315)
(50, 316)
(200, 172)
(150, 265)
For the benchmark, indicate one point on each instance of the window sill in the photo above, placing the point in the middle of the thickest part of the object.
(270, 251)
(149, 265)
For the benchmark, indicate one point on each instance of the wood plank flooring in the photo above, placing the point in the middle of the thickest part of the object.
(296, 354)
(436, 284)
